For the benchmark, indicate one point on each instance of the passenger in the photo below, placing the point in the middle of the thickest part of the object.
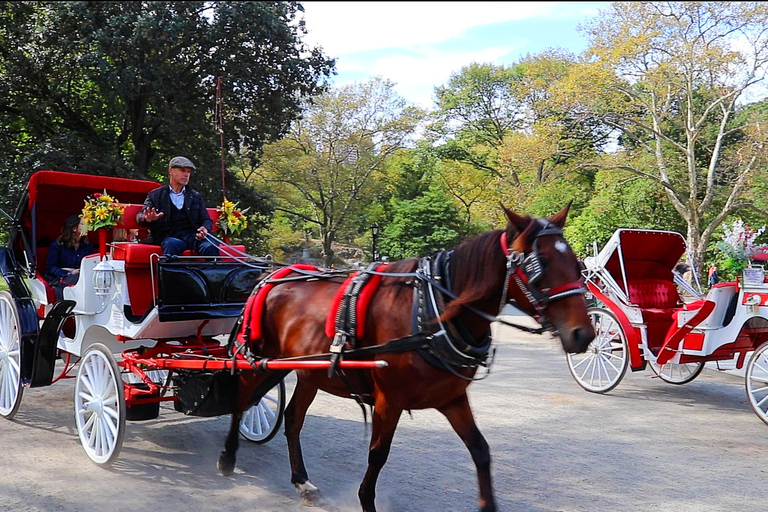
(176, 214)
(125, 235)
(62, 267)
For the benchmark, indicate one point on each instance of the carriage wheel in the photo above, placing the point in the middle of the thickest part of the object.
(100, 405)
(10, 357)
(603, 365)
(756, 379)
(261, 422)
(675, 373)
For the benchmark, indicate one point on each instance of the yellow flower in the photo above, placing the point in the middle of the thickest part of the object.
(101, 213)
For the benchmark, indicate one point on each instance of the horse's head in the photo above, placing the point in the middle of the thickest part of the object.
(544, 276)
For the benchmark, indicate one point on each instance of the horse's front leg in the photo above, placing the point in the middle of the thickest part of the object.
(226, 463)
(295, 413)
(384, 423)
(459, 414)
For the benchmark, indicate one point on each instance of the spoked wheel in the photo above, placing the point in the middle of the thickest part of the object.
(100, 405)
(603, 365)
(756, 379)
(261, 422)
(677, 373)
(10, 357)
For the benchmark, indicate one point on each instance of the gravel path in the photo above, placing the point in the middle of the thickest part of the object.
(646, 446)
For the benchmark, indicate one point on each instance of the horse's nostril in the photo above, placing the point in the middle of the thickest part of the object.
(582, 337)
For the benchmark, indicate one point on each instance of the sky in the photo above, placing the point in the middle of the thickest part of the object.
(418, 45)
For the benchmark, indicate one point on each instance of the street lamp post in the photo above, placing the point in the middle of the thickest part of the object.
(374, 236)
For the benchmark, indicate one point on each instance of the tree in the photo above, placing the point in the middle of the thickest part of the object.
(671, 78)
(486, 111)
(107, 87)
(322, 170)
(428, 223)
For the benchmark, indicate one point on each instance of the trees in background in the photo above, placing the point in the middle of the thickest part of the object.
(118, 88)
(673, 79)
(323, 170)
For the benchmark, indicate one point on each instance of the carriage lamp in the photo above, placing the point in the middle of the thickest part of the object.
(752, 303)
(103, 278)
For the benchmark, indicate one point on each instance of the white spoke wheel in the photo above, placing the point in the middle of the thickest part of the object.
(100, 405)
(10, 357)
(603, 365)
(261, 422)
(756, 380)
(675, 373)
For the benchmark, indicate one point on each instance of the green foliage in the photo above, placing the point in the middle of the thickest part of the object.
(620, 201)
(118, 88)
(327, 170)
(419, 226)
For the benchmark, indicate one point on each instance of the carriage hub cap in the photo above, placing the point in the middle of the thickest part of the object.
(95, 406)
(3, 355)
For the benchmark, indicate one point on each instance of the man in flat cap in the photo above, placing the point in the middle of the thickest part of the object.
(176, 214)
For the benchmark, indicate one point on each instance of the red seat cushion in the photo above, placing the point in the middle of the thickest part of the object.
(658, 299)
(654, 293)
(138, 277)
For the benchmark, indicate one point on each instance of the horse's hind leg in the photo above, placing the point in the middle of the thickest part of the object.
(294, 415)
(384, 423)
(459, 414)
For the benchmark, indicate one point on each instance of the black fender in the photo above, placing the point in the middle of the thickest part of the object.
(44, 359)
(29, 324)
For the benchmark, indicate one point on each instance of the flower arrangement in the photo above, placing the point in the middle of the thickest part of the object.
(101, 211)
(232, 220)
(738, 245)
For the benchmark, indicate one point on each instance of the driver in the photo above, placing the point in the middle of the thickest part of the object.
(176, 214)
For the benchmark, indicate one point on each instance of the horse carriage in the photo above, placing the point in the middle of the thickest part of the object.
(400, 336)
(141, 328)
(640, 318)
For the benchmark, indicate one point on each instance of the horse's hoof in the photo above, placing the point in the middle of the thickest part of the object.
(226, 464)
(309, 494)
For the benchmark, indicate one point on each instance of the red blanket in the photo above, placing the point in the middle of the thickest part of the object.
(366, 294)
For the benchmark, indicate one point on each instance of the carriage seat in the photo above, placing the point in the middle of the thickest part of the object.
(138, 275)
(658, 299)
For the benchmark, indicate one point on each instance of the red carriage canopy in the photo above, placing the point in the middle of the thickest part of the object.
(53, 196)
(646, 253)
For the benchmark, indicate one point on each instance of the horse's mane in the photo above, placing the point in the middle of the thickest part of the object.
(478, 266)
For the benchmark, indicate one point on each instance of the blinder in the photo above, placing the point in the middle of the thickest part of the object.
(527, 271)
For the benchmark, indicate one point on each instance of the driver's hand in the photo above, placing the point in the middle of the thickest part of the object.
(201, 232)
(151, 215)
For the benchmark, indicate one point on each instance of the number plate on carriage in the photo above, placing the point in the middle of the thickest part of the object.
(753, 276)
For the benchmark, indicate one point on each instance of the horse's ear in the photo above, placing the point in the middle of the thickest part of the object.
(558, 219)
(516, 221)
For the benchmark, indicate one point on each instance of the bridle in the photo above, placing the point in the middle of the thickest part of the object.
(527, 271)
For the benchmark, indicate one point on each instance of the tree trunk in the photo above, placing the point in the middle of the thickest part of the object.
(328, 237)
(697, 250)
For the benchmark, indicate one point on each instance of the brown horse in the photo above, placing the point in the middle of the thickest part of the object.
(529, 264)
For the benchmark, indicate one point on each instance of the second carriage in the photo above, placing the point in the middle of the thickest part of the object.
(641, 319)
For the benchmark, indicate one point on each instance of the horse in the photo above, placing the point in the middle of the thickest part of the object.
(528, 263)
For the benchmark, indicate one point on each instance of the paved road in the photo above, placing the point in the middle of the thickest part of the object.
(646, 446)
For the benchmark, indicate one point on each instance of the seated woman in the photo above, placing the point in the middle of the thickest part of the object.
(62, 267)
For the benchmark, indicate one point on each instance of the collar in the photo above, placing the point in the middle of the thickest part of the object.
(183, 189)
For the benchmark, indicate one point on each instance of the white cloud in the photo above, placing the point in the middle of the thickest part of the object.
(349, 27)
(417, 76)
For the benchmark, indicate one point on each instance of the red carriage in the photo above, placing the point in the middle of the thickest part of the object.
(139, 328)
(641, 318)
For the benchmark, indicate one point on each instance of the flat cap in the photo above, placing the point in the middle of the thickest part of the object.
(180, 161)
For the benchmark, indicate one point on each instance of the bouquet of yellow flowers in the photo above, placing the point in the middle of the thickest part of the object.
(232, 220)
(101, 211)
